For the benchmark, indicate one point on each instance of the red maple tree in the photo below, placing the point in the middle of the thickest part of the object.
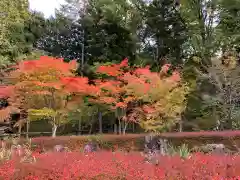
(138, 88)
(123, 88)
(37, 84)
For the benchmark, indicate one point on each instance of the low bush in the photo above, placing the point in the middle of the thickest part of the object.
(182, 151)
(135, 142)
(120, 166)
(231, 139)
(131, 142)
(22, 153)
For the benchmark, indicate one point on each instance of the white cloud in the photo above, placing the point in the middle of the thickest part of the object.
(46, 6)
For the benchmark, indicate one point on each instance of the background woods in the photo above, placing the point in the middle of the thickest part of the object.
(181, 66)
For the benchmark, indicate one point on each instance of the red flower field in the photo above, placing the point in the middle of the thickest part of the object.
(120, 166)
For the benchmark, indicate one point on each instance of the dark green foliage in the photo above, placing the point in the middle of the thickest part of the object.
(62, 38)
(167, 30)
(230, 23)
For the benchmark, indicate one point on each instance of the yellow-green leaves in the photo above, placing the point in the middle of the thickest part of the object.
(57, 117)
(40, 114)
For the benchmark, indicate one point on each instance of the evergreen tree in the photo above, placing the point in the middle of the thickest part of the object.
(166, 30)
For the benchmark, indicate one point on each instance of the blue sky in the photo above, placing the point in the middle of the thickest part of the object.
(46, 6)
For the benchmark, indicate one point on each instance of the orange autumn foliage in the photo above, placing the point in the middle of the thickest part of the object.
(45, 72)
(6, 91)
(125, 86)
(46, 63)
(113, 70)
(130, 85)
(105, 91)
(35, 81)
(114, 88)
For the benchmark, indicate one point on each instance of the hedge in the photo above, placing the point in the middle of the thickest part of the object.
(135, 142)
(230, 139)
(130, 142)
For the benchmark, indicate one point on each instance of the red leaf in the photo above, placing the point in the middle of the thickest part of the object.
(121, 105)
(6, 91)
(175, 76)
(148, 109)
(165, 68)
(143, 71)
(124, 63)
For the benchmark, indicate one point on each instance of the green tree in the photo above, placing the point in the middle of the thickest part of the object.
(13, 16)
(223, 100)
(110, 28)
(107, 29)
(61, 38)
(229, 24)
(166, 31)
(201, 18)
(19, 31)
(212, 28)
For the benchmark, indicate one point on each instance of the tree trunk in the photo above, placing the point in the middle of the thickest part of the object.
(125, 127)
(133, 127)
(19, 130)
(90, 130)
(119, 126)
(229, 120)
(100, 122)
(115, 128)
(180, 125)
(91, 125)
(27, 137)
(54, 130)
(79, 125)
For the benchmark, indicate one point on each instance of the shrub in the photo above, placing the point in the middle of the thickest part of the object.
(133, 142)
(182, 151)
(21, 152)
(231, 139)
